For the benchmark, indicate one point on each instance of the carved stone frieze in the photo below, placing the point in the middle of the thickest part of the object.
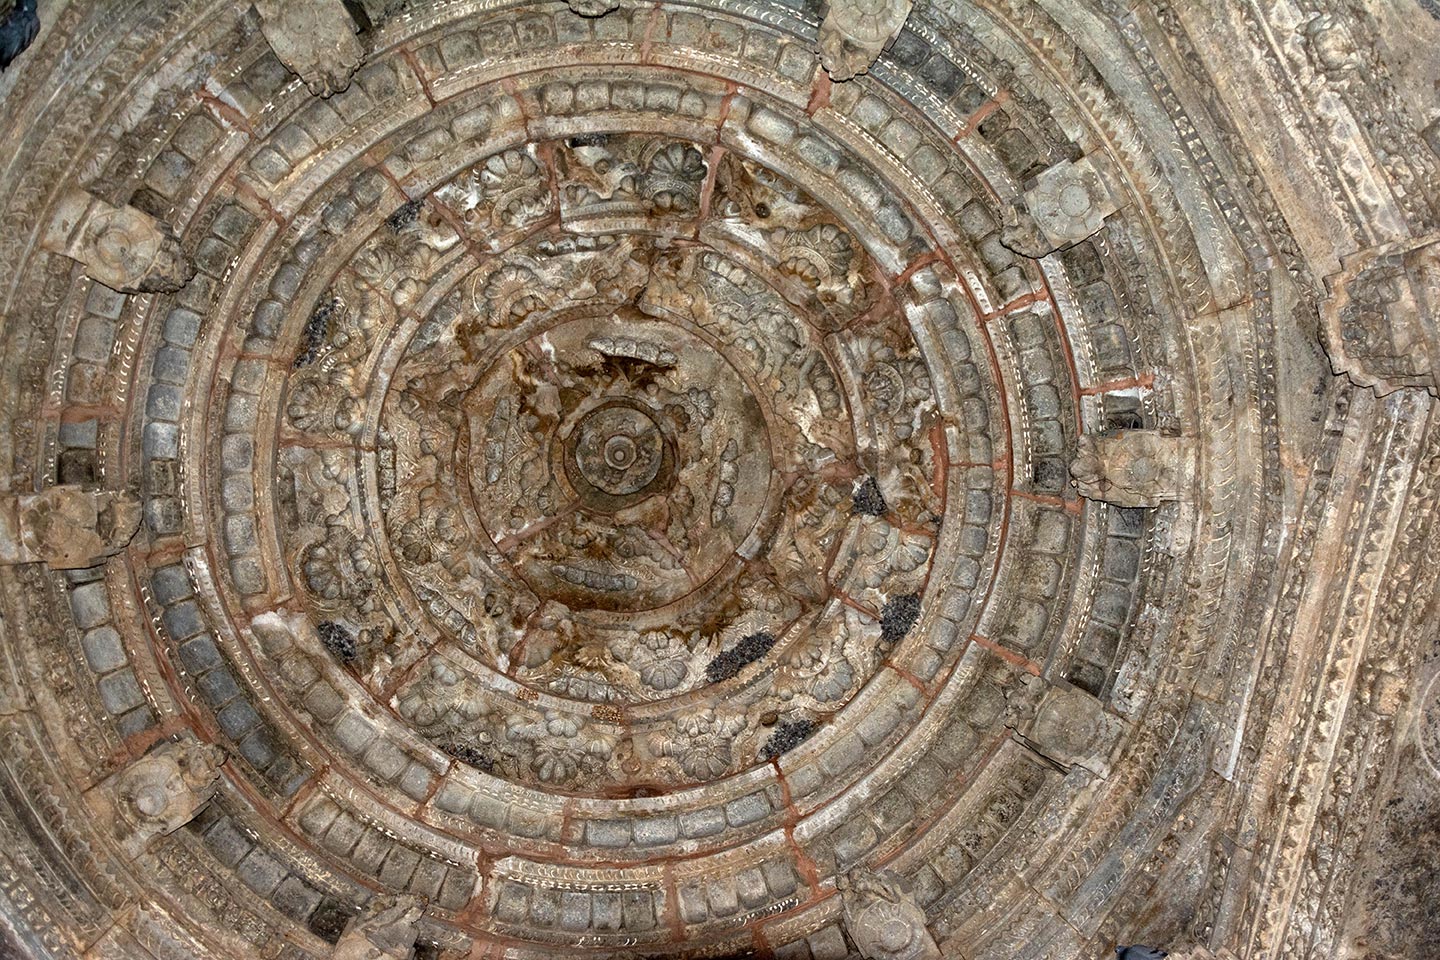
(315, 39)
(1381, 322)
(855, 32)
(122, 247)
(1068, 203)
(883, 919)
(1132, 468)
(67, 527)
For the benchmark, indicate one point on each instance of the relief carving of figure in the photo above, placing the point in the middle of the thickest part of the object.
(883, 919)
(855, 33)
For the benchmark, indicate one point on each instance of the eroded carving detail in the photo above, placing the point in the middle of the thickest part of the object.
(165, 789)
(883, 918)
(1382, 320)
(385, 930)
(121, 247)
(1068, 203)
(315, 39)
(67, 528)
(855, 33)
(1131, 468)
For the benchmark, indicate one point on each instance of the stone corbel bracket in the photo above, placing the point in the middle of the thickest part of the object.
(160, 792)
(1381, 322)
(855, 32)
(883, 919)
(315, 39)
(1063, 724)
(1068, 203)
(66, 528)
(1133, 468)
(385, 930)
(122, 247)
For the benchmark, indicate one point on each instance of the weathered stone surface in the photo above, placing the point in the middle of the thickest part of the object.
(1132, 468)
(315, 39)
(121, 247)
(66, 527)
(882, 918)
(1382, 319)
(854, 33)
(608, 480)
(163, 791)
(1068, 203)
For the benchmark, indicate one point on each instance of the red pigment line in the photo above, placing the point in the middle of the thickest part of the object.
(1072, 506)
(981, 114)
(245, 190)
(809, 872)
(672, 903)
(920, 263)
(909, 678)
(225, 112)
(1145, 380)
(1009, 656)
(717, 154)
(820, 95)
(649, 33)
(1018, 303)
(939, 482)
(732, 90)
(409, 57)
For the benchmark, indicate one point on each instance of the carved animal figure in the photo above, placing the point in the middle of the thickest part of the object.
(18, 31)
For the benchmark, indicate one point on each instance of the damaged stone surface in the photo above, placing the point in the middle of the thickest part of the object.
(385, 930)
(162, 791)
(1382, 320)
(67, 527)
(855, 32)
(315, 39)
(1067, 204)
(1132, 468)
(882, 918)
(122, 247)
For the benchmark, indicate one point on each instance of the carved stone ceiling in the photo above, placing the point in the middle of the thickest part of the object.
(719, 479)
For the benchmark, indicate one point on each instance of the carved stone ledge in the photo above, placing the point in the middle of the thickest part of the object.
(1381, 323)
(66, 528)
(855, 32)
(162, 791)
(385, 930)
(1132, 468)
(315, 39)
(883, 919)
(1067, 204)
(122, 247)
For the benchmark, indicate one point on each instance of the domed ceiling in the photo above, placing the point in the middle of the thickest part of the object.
(719, 479)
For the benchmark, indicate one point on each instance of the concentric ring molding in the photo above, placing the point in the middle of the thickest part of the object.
(632, 172)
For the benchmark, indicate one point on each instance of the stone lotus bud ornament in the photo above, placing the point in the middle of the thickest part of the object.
(165, 789)
(315, 39)
(855, 33)
(1130, 468)
(67, 528)
(124, 248)
(883, 919)
(385, 930)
